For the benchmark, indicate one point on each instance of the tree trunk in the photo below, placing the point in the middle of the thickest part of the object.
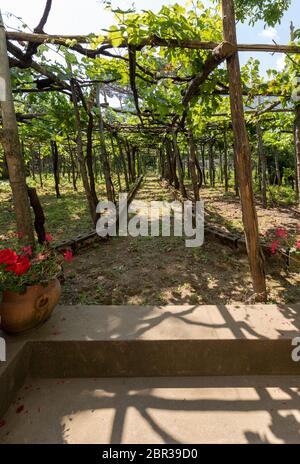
(226, 161)
(133, 159)
(211, 165)
(39, 222)
(80, 155)
(221, 167)
(121, 153)
(104, 154)
(73, 167)
(236, 174)
(32, 160)
(40, 166)
(54, 152)
(179, 166)
(116, 160)
(172, 164)
(192, 164)
(89, 157)
(243, 156)
(203, 162)
(12, 150)
(277, 168)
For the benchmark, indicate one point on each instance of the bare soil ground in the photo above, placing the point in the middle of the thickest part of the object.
(224, 209)
(161, 270)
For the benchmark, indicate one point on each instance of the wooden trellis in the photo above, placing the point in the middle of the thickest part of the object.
(218, 53)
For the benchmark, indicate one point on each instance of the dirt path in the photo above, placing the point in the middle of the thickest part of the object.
(161, 270)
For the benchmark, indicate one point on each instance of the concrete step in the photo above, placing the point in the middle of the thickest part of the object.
(155, 410)
(133, 341)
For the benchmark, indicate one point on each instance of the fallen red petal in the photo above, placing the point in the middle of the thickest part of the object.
(20, 409)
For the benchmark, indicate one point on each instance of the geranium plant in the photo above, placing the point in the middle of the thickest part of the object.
(287, 243)
(23, 267)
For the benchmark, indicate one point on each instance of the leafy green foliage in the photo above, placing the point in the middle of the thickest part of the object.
(269, 11)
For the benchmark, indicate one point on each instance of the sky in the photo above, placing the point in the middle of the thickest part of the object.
(84, 17)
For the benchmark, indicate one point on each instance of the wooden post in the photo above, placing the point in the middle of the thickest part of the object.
(80, 155)
(39, 222)
(104, 154)
(221, 166)
(277, 168)
(179, 165)
(225, 160)
(55, 162)
(116, 161)
(40, 166)
(211, 163)
(203, 162)
(121, 153)
(192, 163)
(12, 149)
(89, 157)
(243, 156)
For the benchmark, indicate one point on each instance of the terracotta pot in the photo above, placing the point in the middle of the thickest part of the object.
(22, 312)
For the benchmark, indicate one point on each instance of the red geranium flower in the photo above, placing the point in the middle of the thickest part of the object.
(274, 246)
(8, 256)
(68, 255)
(48, 237)
(20, 267)
(27, 250)
(298, 244)
(281, 233)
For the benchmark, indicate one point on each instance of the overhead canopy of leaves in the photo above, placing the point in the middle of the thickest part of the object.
(269, 11)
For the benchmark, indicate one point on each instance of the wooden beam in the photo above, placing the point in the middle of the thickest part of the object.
(29, 63)
(44, 38)
(255, 113)
(219, 54)
(148, 41)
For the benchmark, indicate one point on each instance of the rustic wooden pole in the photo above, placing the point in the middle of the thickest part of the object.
(55, 161)
(203, 162)
(12, 149)
(178, 165)
(243, 155)
(225, 160)
(123, 161)
(193, 44)
(79, 146)
(39, 222)
(277, 168)
(211, 163)
(104, 154)
(192, 163)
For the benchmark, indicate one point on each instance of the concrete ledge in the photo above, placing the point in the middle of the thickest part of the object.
(145, 358)
(13, 374)
(134, 341)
